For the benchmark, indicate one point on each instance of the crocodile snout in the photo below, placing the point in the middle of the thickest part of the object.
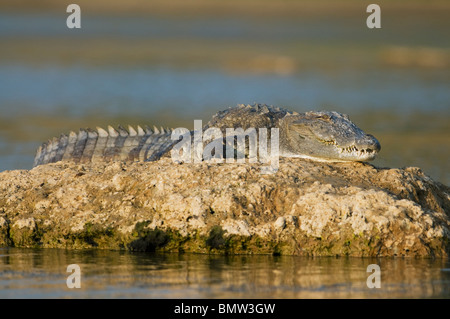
(372, 144)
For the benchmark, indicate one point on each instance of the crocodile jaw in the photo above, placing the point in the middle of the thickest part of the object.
(352, 153)
(365, 149)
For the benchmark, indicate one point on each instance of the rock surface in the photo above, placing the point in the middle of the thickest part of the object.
(306, 208)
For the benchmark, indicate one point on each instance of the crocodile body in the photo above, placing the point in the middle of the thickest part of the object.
(329, 136)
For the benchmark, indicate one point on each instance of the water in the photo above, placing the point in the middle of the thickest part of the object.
(170, 67)
(41, 273)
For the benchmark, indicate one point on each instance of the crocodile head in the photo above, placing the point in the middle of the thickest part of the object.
(327, 135)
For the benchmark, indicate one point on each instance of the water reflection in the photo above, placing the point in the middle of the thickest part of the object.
(32, 273)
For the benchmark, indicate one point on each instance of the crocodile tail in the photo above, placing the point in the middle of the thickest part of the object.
(105, 145)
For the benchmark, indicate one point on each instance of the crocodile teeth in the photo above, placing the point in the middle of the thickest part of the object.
(352, 149)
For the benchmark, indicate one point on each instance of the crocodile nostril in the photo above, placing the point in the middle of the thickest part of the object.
(373, 142)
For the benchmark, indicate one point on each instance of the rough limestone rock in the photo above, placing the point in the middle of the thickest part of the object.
(306, 208)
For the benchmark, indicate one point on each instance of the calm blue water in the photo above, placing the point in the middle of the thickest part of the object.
(78, 91)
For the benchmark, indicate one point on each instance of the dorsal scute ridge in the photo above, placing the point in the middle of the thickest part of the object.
(112, 131)
(82, 134)
(140, 131)
(72, 135)
(122, 131)
(263, 109)
(132, 131)
(148, 130)
(92, 133)
(101, 132)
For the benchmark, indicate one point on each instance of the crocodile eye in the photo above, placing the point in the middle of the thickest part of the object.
(328, 142)
(324, 117)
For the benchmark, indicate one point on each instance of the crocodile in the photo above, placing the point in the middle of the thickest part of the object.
(317, 135)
